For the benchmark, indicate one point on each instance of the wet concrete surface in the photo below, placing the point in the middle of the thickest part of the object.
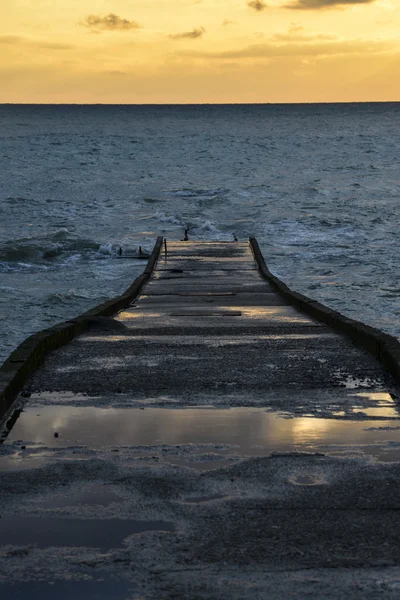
(284, 315)
(226, 300)
(216, 365)
(204, 457)
(178, 273)
(223, 286)
(244, 530)
(91, 495)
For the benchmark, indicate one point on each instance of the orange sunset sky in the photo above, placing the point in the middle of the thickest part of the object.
(195, 51)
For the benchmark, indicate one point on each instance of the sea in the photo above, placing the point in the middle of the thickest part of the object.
(318, 185)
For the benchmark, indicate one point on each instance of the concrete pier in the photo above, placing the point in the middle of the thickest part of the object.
(209, 441)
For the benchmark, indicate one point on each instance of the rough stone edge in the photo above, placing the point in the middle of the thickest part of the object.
(28, 356)
(383, 346)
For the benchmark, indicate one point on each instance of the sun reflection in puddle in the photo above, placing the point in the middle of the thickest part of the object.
(382, 412)
(240, 432)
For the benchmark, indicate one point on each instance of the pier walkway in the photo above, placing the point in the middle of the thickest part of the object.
(210, 441)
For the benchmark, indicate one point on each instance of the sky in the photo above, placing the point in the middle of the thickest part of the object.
(199, 51)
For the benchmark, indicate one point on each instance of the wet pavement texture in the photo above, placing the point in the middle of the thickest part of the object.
(210, 442)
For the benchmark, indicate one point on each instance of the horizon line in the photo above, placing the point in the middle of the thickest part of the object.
(182, 104)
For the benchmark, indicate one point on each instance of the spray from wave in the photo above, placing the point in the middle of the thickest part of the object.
(196, 227)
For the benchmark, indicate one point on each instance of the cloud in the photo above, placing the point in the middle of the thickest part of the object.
(110, 22)
(295, 34)
(258, 5)
(191, 35)
(11, 39)
(298, 37)
(115, 72)
(295, 49)
(19, 40)
(320, 4)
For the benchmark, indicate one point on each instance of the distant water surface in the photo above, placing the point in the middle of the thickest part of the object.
(318, 185)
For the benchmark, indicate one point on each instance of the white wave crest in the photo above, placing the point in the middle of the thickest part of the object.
(161, 216)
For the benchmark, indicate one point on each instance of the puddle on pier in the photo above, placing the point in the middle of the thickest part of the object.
(304, 479)
(43, 532)
(100, 587)
(239, 431)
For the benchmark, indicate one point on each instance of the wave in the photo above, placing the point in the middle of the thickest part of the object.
(70, 296)
(326, 192)
(208, 228)
(44, 246)
(315, 231)
(196, 227)
(161, 216)
(60, 248)
(199, 193)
